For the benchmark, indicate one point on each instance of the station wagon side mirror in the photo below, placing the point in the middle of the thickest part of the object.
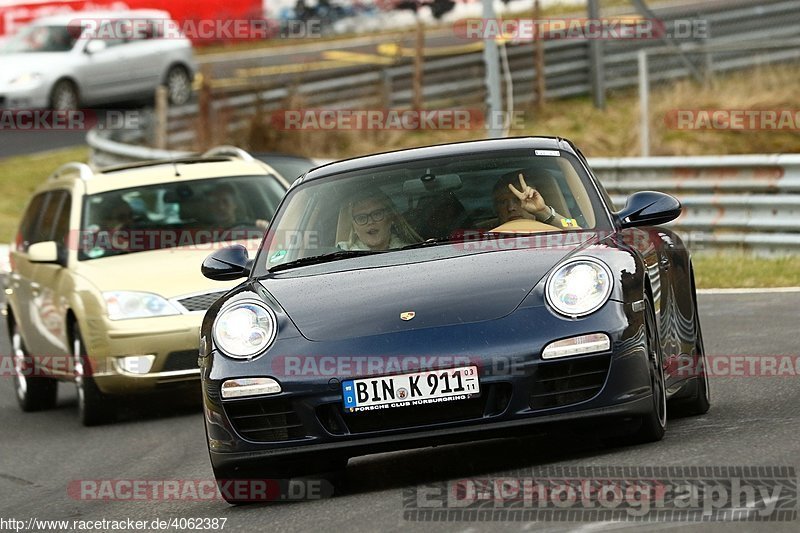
(648, 208)
(43, 252)
(94, 46)
(227, 264)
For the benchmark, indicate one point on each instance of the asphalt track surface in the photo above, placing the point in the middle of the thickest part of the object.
(752, 422)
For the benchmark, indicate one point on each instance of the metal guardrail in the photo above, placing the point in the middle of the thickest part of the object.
(749, 203)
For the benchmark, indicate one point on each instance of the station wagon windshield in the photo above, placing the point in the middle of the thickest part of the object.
(169, 215)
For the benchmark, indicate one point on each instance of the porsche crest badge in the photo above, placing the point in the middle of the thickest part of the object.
(408, 315)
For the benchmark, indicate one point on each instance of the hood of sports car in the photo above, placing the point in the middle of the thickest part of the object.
(454, 290)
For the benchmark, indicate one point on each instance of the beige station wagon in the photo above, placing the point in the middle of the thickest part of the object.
(105, 289)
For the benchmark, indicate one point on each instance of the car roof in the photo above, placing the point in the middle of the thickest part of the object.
(454, 150)
(63, 19)
(157, 172)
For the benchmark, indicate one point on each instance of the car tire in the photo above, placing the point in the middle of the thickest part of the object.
(64, 96)
(700, 402)
(179, 85)
(320, 484)
(34, 393)
(94, 407)
(654, 423)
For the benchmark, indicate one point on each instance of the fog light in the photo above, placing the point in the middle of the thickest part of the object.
(582, 344)
(239, 388)
(136, 364)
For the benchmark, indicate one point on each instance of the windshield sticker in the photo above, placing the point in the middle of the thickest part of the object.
(551, 153)
(277, 256)
(569, 223)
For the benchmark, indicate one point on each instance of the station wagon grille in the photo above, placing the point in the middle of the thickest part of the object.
(200, 302)
(562, 383)
(264, 420)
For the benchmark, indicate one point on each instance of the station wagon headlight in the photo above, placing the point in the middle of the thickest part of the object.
(244, 329)
(124, 304)
(579, 287)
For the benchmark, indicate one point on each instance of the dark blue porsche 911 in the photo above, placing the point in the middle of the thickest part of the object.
(442, 294)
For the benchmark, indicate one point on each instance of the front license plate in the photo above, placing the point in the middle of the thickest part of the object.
(403, 390)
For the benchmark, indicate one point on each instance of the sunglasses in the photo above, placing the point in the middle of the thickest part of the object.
(375, 216)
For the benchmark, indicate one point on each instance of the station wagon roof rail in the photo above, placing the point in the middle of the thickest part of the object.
(231, 151)
(83, 170)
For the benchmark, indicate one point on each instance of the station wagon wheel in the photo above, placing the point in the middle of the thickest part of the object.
(34, 393)
(64, 96)
(179, 85)
(654, 423)
(94, 408)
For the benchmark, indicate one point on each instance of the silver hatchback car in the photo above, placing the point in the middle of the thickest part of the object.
(91, 58)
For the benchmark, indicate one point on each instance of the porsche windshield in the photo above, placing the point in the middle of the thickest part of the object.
(430, 202)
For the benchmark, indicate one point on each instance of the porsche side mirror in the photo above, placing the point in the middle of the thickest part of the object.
(648, 208)
(227, 264)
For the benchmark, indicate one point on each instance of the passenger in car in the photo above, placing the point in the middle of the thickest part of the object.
(222, 206)
(118, 220)
(375, 225)
(514, 199)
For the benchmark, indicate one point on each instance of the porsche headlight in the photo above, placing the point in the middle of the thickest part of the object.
(244, 329)
(125, 304)
(579, 287)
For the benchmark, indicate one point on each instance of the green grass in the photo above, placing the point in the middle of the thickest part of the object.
(742, 271)
(20, 175)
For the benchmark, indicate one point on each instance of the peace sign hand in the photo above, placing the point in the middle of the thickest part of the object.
(529, 198)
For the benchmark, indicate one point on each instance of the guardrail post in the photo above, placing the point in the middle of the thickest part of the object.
(419, 59)
(162, 103)
(204, 113)
(596, 65)
(644, 105)
(386, 89)
(538, 46)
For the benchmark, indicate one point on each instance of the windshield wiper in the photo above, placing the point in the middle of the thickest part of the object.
(431, 242)
(324, 258)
